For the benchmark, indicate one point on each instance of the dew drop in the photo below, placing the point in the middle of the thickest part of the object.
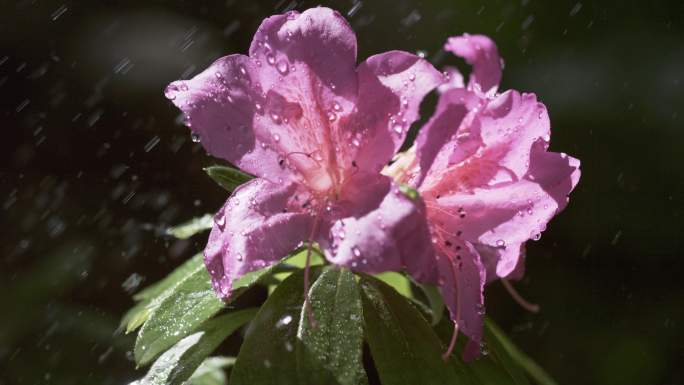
(195, 137)
(397, 128)
(356, 142)
(270, 59)
(336, 107)
(286, 320)
(331, 116)
(501, 243)
(243, 70)
(258, 107)
(276, 138)
(412, 77)
(356, 251)
(239, 257)
(282, 67)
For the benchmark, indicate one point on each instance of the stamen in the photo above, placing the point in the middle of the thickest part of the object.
(531, 307)
(452, 344)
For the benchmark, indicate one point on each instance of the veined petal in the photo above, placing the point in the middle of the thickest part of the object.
(391, 88)
(306, 96)
(502, 216)
(221, 105)
(259, 224)
(481, 53)
(437, 143)
(506, 262)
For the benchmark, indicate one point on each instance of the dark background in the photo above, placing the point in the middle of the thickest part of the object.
(94, 164)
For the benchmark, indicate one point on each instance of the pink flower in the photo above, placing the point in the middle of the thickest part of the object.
(489, 184)
(316, 130)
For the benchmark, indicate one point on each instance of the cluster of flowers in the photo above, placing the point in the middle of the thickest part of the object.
(321, 135)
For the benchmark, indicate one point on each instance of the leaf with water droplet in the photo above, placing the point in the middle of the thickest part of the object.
(211, 371)
(404, 347)
(194, 226)
(178, 363)
(227, 177)
(150, 297)
(190, 302)
(491, 367)
(331, 352)
(266, 355)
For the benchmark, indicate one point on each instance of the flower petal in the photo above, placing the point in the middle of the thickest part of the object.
(481, 53)
(437, 142)
(501, 217)
(454, 79)
(391, 87)
(389, 236)
(221, 104)
(462, 280)
(259, 224)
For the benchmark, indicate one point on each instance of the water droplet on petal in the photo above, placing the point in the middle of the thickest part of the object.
(195, 137)
(258, 107)
(239, 257)
(501, 243)
(282, 67)
(276, 138)
(412, 77)
(397, 128)
(331, 116)
(270, 59)
(336, 107)
(356, 251)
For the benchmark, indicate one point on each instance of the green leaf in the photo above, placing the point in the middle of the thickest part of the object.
(211, 371)
(151, 296)
(435, 300)
(194, 226)
(331, 352)
(487, 369)
(178, 363)
(170, 280)
(227, 177)
(514, 360)
(398, 281)
(404, 347)
(267, 354)
(191, 302)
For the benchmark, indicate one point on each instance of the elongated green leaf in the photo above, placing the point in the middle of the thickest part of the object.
(512, 358)
(151, 296)
(189, 304)
(404, 347)
(331, 352)
(178, 363)
(487, 369)
(398, 281)
(435, 300)
(227, 177)
(267, 355)
(211, 372)
(194, 226)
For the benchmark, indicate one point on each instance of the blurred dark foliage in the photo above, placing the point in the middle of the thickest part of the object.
(94, 164)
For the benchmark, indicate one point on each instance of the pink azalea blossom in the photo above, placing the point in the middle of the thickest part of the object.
(489, 184)
(316, 130)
